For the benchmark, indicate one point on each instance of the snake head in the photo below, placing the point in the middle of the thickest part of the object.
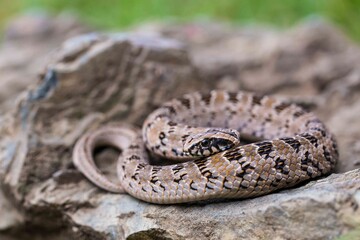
(210, 142)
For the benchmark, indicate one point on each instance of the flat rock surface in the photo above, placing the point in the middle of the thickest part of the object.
(97, 79)
(321, 209)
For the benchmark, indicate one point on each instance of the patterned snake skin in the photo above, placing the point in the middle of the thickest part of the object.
(203, 132)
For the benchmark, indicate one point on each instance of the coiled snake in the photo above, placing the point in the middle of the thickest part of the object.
(202, 133)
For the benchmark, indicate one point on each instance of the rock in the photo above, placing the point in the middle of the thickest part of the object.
(301, 61)
(28, 40)
(104, 77)
(322, 209)
(345, 125)
(97, 79)
(9, 214)
(122, 75)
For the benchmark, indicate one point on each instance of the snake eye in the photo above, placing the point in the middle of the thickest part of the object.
(205, 143)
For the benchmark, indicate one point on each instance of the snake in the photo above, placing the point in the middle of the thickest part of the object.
(214, 145)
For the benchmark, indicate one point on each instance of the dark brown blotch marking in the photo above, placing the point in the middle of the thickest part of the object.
(177, 180)
(134, 157)
(313, 140)
(172, 124)
(299, 113)
(265, 148)
(155, 169)
(268, 119)
(306, 159)
(181, 177)
(280, 164)
(282, 106)
(162, 186)
(256, 99)
(191, 187)
(233, 154)
(206, 173)
(224, 184)
(171, 109)
(201, 163)
(206, 98)
(153, 180)
(335, 146)
(176, 169)
(327, 155)
(233, 97)
(244, 170)
(322, 131)
(140, 167)
(135, 177)
(208, 186)
(295, 144)
(176, 153)
(305, 163)
(185, 102)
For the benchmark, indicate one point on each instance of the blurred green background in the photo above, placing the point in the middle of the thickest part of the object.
(117, 14)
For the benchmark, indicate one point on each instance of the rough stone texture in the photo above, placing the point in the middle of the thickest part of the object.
(301, 61)
(25, 49)
(96, 79)
(325, 208)
(345, 124)
(9, 214)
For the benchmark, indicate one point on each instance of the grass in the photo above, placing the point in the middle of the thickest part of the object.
(117, 14)
(352, 235)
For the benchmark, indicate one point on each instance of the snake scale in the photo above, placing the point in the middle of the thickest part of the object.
(203, 133)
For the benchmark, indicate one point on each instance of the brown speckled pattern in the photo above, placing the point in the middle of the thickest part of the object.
(295, 146)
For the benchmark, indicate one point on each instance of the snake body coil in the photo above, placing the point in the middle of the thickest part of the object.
(204, 132)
